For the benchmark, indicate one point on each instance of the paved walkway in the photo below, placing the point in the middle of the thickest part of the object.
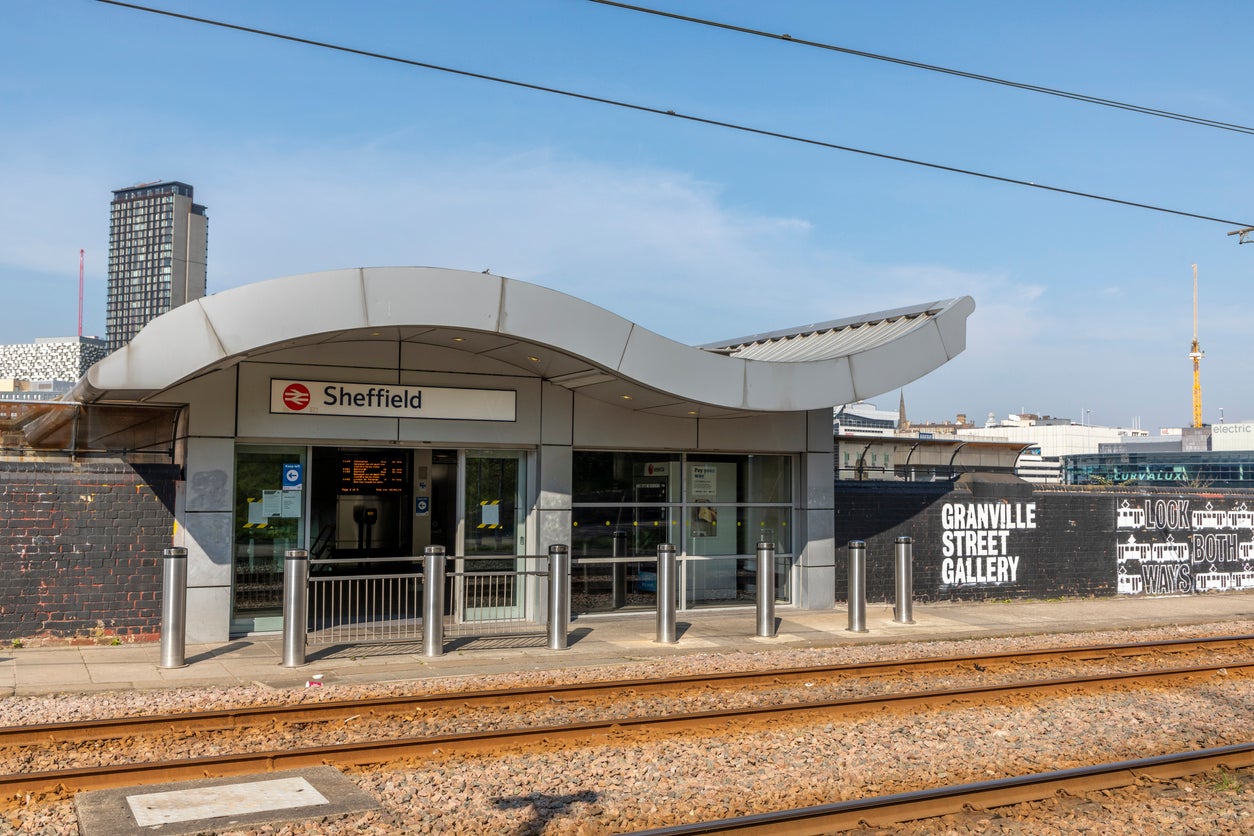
(594, 640)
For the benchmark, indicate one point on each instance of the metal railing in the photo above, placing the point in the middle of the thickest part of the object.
(490, 596)
(371, 605)
(666, 579)
(471, 596)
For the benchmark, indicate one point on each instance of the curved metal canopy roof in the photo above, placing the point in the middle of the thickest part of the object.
(540, 333)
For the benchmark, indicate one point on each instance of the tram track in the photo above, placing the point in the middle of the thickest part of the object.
(889, 810)
(382, 707)
(581, 733)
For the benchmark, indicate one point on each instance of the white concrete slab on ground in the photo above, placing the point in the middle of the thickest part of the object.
(219, 803)
(168, 806)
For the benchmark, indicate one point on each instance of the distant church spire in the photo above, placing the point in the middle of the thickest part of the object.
(903, 423)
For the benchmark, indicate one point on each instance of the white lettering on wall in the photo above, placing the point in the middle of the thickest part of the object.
(975, 541)
(1174, 547)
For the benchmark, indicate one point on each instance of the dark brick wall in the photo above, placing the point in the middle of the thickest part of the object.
(1048, 543)
(81, 547)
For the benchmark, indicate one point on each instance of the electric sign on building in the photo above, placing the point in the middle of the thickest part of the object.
(1232, 436)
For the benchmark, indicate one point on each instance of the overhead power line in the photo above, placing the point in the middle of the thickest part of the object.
(664, 112)
(1018, 85)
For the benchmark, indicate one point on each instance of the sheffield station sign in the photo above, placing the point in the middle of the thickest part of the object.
(385, 400)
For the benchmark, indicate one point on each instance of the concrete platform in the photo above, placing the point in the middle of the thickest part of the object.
(594, 640)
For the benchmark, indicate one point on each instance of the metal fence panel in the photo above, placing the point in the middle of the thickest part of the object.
(482, 598)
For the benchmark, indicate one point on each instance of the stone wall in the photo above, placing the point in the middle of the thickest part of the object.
(81, 549)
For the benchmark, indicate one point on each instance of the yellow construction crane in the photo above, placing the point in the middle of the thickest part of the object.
(1196, 355)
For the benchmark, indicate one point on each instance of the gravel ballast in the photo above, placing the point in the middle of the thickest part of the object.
(642, 780)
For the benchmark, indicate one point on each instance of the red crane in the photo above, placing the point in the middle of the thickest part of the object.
(80, 293)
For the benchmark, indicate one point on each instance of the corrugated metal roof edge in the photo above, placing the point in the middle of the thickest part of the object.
(831, 325)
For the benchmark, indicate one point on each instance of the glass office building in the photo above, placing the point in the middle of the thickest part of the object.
(1213, 469)
(157, 242)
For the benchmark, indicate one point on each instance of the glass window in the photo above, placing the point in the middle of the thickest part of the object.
(622, 531)
(715, 508)
(739, 478)
(737, 530)
(616, 532)
(625, 477)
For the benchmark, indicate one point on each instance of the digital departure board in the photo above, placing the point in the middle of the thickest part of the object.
(373, 473)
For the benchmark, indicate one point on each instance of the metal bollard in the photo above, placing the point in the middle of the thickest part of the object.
(766, 590)
(559, 595)
(433, 601)
(295, 606)
(903, 611)
(666, 594)
(174, 608)
(857, 586)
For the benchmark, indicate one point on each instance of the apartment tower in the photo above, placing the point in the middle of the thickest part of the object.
(157, 242)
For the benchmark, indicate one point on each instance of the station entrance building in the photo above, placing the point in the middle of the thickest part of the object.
(376, 411)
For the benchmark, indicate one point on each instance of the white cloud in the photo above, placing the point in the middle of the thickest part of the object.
(655, 246)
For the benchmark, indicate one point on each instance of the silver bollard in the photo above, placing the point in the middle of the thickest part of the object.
(766, 590)
(295, 606)
(559, 595)
(666, 594)
(174, 608)
(433, 601)
(903, 611)
(857, 586)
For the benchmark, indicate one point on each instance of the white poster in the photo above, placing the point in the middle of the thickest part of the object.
(703, 483)
(272, 503)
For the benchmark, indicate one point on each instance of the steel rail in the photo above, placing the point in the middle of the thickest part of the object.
(374, 751)
(888, 810)
(236, 718)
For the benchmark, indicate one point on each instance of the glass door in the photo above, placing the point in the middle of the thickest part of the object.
(493, 535)
(269, 520)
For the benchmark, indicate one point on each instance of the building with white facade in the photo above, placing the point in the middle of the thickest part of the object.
(46, 368)
(1045, 440)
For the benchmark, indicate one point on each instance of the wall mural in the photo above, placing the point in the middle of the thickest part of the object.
(1169, 546)
(976, 542)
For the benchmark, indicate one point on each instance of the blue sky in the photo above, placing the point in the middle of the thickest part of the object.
(312, 160)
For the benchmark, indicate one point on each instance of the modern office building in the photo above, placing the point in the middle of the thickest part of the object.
(863, 418)
(1217, 457)
(157, 242)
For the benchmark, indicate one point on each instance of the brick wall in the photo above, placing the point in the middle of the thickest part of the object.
(81, 549)
(988, 543)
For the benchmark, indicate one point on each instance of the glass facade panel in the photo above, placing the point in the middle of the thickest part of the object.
(611, 533)
(731, 529)
(621, 531)
(494, 507)
(269, 520)
(495, 526)
(745, 478)
(718, 506)
(605, 477)
(1212, 469)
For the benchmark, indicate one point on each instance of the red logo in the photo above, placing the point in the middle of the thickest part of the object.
(296, 397)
